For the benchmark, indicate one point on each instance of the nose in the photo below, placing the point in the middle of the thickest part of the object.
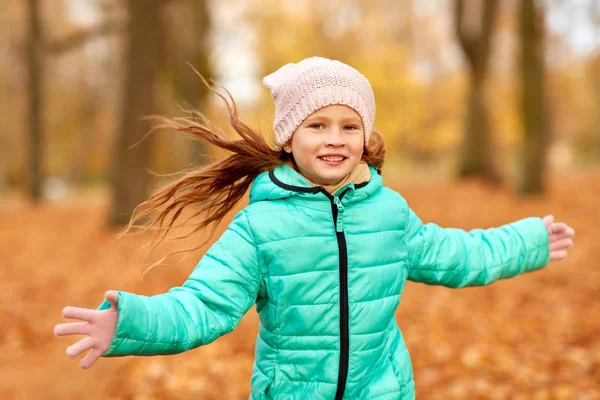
(335, 137)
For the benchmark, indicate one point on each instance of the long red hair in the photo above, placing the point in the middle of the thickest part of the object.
(213, 190)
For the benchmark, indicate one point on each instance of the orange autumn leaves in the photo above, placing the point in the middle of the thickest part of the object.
(532, 337)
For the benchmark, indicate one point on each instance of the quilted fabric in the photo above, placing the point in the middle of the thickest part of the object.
(326, 274)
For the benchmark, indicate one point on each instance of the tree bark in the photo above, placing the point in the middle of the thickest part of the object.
(129, 178)
(478, 153)
(533, 103)
(189, 47)
(34, 98)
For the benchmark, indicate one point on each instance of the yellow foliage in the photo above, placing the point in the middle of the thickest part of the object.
(412, 114)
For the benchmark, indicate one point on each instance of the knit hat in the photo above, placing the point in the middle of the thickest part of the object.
(300, 89)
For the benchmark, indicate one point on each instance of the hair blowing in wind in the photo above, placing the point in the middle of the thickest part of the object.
(211, 191)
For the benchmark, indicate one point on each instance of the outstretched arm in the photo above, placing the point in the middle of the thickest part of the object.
(456, 258)
(220, 290)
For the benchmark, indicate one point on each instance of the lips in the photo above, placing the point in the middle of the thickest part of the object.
(332, 158)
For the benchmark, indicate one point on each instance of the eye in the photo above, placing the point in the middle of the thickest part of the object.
(317, 126)
(350, 127)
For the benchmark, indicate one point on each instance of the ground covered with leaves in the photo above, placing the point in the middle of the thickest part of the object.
(536, 336)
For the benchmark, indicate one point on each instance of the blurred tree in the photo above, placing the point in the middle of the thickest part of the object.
(34, 106)
(595, 75)
(186, 40)
(130, 179)
(82, 98)
(3, 158)
(474, 33)
(3, 168)
(418, 96)
(6, 99)
(80, 37)
(531, 24)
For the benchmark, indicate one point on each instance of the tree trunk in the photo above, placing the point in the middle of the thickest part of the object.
(190, 47)
(3, 163)
(478, 152)
(594, 76)
(478, 157)
(533, 104)
(85, 142)
(34, 98)
(129, 178)
(596, 85)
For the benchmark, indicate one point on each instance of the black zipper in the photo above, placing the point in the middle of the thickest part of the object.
(344, 330)
(343, 256)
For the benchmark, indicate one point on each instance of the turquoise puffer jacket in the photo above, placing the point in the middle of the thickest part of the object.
(326, 274)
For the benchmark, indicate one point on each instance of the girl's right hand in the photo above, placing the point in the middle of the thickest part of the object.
(98, 326)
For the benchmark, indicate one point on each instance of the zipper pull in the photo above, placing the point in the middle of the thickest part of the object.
(340, 208)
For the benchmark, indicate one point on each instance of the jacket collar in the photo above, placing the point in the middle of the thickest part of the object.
(284, 181)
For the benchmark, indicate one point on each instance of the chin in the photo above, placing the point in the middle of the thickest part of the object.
(332, 178)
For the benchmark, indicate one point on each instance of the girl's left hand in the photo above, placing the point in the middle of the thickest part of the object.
(560, 237)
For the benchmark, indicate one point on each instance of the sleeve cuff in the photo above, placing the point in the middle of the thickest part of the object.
(534, 235)
(125, 342)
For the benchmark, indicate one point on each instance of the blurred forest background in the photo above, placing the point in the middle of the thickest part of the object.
(490, 111)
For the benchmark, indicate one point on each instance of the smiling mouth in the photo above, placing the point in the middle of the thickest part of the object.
(333, 159)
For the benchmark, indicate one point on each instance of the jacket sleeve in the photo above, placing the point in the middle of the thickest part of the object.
(455, 258)
(220, 290)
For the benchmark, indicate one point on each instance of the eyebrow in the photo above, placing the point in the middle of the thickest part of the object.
(324, 118)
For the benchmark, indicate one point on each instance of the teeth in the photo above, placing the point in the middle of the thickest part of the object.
(332, 158)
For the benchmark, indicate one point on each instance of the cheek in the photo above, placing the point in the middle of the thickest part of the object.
(306, 147)
(356, 147)
(300, 156)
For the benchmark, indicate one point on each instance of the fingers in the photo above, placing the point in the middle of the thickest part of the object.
(84, 314)
(73, 328)
(558, 255)
(90, 359)
(561, 244)
(558, 227)
(569, 233)
(548, 220)
(560, 238)
(84, 344)
(112, 297)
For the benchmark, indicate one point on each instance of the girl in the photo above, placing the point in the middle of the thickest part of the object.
(323, 250)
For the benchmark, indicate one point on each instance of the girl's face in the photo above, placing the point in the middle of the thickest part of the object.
(328, 144)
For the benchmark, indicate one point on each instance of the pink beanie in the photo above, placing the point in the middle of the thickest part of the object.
(300, 89)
